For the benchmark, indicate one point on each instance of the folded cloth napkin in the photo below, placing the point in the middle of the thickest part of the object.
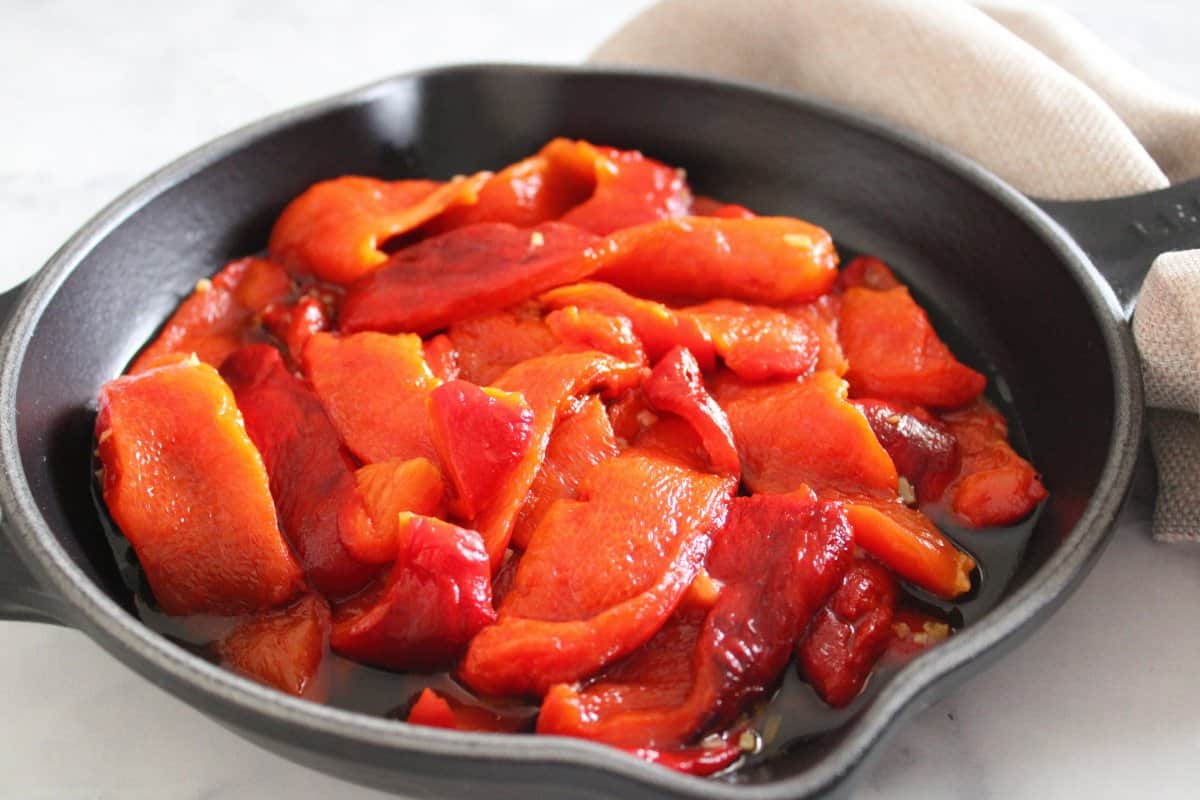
(1027, 92)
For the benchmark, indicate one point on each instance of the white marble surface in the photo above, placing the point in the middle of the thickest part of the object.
(1103, 702)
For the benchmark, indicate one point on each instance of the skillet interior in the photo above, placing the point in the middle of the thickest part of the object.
(967, 251)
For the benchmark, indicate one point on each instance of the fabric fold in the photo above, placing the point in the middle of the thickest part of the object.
(1027, 92)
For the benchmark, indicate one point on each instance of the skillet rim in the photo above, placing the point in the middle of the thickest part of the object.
(267, 712)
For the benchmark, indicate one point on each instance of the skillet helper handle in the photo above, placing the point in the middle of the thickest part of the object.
(21, 596)
(1123, 235)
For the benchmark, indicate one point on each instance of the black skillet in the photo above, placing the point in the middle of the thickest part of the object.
(1043, 313)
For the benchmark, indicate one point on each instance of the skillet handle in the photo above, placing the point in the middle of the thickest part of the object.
(21, 596)
(1123, 235)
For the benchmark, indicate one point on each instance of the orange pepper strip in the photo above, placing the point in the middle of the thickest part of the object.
(756, 342)
(374, 387)
(488, 345)
(468, 271)
(763, 260)
(675, 386)
(600, 575)
(387, 489)
(187, 487)
(895, 354)
(994, 486)
(795, 433)
(283, 648)
(909, 544)
(660, 328)
(578, 443)
(334, 231)
(218, 317)
(776, 560)
(550, 384)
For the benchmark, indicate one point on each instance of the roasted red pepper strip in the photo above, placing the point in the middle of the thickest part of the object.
(335, 230)
(188, 489)
(550, 385)
(758, 343)
(675, 386)
(293, 324)
(468, 271)
(435, 599)
(923, 449)
(375, 388)
(699, 760)
(630, 188)
(995, 486)
(869, 273)
(658, 327)
(578, 443)
(797, 433)
(443, 712)
(763, 260)
(908, 543)
(600, 575)
(847, 636)
(583, 329)
(312, 477)
(488, 345)
(534, 190)
(218, 317)
(481, 436)
(777, 559)
(283, 648)
(914, 632)
(387, 489)
(821, 316)
(442, 357)
(896, 355)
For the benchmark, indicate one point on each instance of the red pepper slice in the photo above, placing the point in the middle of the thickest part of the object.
(293, 324)
(995, 486)
(188, 488)
(776, 560)
(847, 636)
(764, 260)
(909, 544)
(218, 317)
(923, 449)
(583, 329)
(758, 343)
(804, 433)
(869, 273)
(468, 271)
(675, 386)
(578, 443)
(283, 648)
(490, 344)
(550, 384)
(659, 328)
(600, 575)
(375, 388)
(631, 189)
(436, 711)
(481, 436)
(336, 229)
(442, 357)
(896, 355)
(387, 489)
(436, 598)
(312, 477)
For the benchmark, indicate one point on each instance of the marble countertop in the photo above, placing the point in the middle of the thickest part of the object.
(1102, 702)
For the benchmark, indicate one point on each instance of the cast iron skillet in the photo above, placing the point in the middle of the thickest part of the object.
(996, 266)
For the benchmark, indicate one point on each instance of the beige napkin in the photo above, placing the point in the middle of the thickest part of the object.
(1027, 92)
